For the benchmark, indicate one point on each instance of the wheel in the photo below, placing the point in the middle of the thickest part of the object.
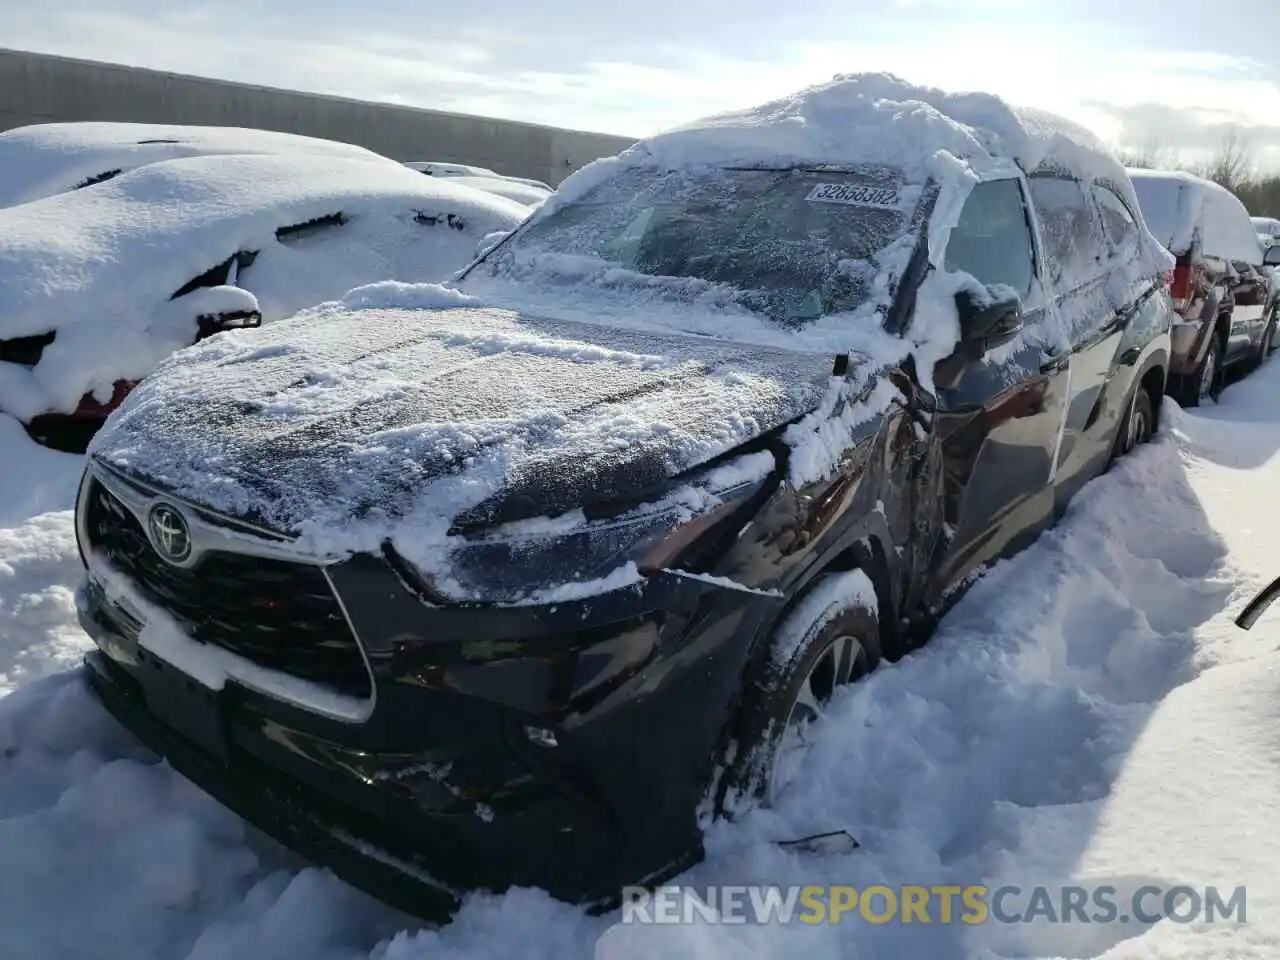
(1140, 425)
(1202, 385)
(831, 638)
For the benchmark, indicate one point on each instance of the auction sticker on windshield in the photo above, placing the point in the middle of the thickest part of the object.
(854, 195)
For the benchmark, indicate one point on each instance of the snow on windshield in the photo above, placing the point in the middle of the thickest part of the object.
(790, 245)
(98, 267)
(1179, 207)
(43, 159)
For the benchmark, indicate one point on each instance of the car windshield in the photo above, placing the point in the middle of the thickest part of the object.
(792, 245)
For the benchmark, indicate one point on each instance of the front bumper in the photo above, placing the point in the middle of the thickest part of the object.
(280, 812)
(440, 790)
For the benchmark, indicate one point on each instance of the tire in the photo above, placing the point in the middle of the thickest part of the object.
(1202, 384)
(830, 638)
(1139, 426)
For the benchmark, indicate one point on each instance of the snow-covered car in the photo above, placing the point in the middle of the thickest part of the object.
(43, 159)
(434, 168)
(508, 187)
(98, 285)
(1268, 229)
(521, 189)
(1206, 228)
(495, 582)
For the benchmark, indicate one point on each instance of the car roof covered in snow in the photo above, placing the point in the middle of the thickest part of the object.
(1178, 206)
(877, 120)
(43, 159)
(870, 120)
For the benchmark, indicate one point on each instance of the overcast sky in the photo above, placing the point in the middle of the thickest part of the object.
(1140, 72)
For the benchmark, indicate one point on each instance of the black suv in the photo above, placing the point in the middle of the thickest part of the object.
(502, 583)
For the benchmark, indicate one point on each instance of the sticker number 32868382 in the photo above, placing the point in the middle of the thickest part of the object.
(854, 195)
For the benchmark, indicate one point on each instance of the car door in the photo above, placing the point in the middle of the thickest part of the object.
(999, 427)
(1084, 330)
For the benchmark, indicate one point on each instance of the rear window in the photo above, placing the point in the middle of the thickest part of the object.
(1162, 204)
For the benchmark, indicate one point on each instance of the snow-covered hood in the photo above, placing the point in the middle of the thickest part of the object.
(351, 426)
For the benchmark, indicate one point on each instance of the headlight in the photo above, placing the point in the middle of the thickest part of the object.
(525, 561)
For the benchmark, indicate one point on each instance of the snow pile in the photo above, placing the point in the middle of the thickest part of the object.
(1088, 715)
(1181, 208)
(353, 423)
(99, 266)
(47, 158)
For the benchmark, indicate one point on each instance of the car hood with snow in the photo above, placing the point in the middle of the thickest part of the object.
(372, 423)
(43, 159)
(117, 274)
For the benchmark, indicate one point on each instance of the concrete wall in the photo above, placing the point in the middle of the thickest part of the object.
(36, 88)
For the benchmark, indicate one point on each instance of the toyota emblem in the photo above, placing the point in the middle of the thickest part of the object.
(169, 534)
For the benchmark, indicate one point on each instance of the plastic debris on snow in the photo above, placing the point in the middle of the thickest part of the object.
(98, 267)
(43, 159)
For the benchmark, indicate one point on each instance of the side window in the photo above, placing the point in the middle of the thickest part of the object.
(1116, 218)
(1073, 241)
(992, 239)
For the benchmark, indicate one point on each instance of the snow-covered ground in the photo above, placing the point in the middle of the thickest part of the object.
(1087, 715)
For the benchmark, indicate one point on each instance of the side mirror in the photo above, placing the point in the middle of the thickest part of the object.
(208, 324)
(986, 322)
(1272, 257)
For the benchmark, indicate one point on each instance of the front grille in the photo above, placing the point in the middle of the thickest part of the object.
(279, 615)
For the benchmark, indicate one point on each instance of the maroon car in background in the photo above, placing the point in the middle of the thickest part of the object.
(1225, 322)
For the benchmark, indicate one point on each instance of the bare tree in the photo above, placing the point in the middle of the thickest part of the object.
(1230, 165)
(1151, 154)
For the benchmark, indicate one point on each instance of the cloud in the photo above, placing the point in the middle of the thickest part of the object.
(600, 67)
(1196, 133)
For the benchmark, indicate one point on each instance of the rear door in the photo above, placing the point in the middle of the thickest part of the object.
(1084, 330)
(999, 428)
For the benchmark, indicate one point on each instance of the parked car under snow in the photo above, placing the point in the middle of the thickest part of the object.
(42, 159)
(500, 582)
(1208, 230)
(521, 189)
(98, 285)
